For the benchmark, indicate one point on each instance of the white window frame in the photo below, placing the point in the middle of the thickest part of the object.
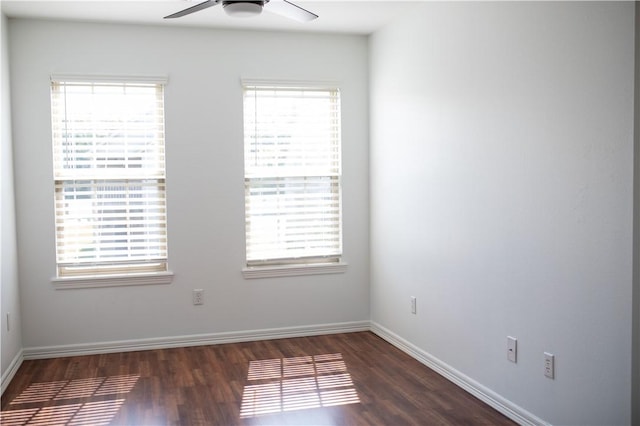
(284, 265)
(97, 173)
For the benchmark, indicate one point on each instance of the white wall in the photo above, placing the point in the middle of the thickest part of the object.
(635, 394)
(501, 197)
(204, 180)
(10, 294)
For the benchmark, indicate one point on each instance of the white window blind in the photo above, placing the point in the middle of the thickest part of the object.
(109, 173)
(292, 175)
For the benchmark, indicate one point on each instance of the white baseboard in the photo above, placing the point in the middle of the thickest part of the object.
(191, 340)
(11, 371)
(504, 406)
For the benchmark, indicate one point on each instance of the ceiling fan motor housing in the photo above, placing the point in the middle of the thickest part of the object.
(243, 9)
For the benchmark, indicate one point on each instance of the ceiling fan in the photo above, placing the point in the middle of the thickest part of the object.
(246, 8)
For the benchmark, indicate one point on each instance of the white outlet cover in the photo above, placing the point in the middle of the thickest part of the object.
(198, 296)
(549, 365)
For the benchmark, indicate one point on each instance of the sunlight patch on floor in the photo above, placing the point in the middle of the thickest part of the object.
(298, 383)
(99, 411)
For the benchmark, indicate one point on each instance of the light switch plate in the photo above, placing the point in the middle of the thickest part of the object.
(512, 349)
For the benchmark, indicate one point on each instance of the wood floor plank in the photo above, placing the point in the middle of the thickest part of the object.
(340, 379)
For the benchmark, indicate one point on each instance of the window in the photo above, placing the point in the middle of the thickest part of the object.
(292, 175)
(109, 173)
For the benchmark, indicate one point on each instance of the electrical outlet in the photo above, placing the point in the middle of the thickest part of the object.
(413, 304)
(198, 296)
(549, 365)
(512, 349)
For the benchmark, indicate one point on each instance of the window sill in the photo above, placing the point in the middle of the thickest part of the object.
(156, 278)
(293, 270)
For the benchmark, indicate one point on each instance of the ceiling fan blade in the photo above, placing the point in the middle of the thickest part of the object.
(198, 7)
(289, 10)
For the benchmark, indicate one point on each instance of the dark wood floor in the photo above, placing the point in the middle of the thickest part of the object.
(341, 379)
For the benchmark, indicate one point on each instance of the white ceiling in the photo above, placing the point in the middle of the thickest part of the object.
(346, 16)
